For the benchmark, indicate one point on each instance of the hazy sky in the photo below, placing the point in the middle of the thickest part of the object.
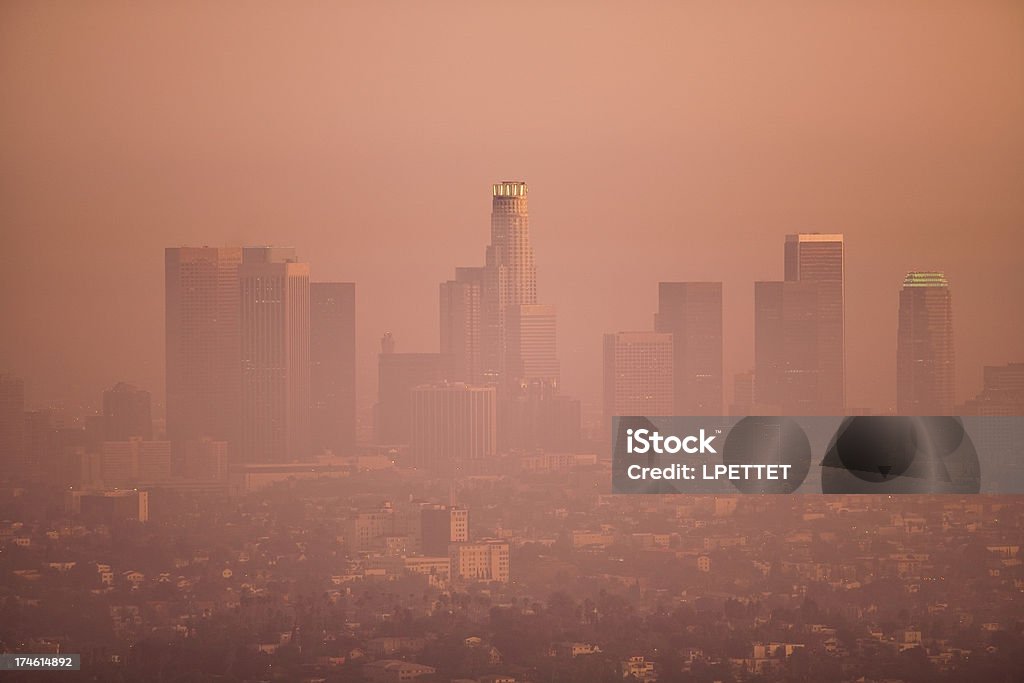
(661, 141)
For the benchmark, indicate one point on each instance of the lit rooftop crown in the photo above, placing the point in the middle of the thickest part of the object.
(509, 188)
(925, 278)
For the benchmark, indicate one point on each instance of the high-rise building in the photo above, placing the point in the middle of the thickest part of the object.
(332, 354)
(443, 525)
(202, 343)
(1002, 392)
(397, 375)
(638, 374)
(530, 355)
(462, 325)
(274, 323)
(127, 412)
(119, 464)
(206, 460)
(485, 560)
(743, 400)
(1008, 379)
(535, 418)
(786, 367)
(531, 412)
(498, 335)
(12, 426)
(41, 439)
(95, 432)
(820, 259)
(509, 277)
(453, 427)
(1002, 395)
(924, 346)
(692, 312)
(124, 464)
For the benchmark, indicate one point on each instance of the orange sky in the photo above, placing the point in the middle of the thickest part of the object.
(661, 141)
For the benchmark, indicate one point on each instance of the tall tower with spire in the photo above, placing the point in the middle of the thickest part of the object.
(510, 276)
(498, 335)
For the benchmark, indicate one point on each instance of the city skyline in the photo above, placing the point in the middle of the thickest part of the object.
(683, 157)
(524, 342)
(208, 269)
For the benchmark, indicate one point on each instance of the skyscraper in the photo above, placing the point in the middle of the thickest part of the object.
(274, 321)
(12, 426)
(497, 334)
(206, 459)
(127, 413)
(531, 411)
(461, 323)
(202, 344)
(510, 277)
(453, 427)
(820, 259)
(638, 374)
(692, 312)
(924, 346)
(743, 400)
(127, 463)
(530, 353)
(41, 439)
(1002, 392)
(536, 418)
(332, 354)
(397, 375)
(786, 352)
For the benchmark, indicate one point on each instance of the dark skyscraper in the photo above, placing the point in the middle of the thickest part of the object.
(820, 259)
(692, 312)
(398, 375)
(202, 344)
(786, 366)
(461, 323)
(12, 426)
(924, 350)
(799, 342)
(127, 413)
(274, 321)
(332, 354)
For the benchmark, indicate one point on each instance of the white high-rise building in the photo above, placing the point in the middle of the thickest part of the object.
(510, 277)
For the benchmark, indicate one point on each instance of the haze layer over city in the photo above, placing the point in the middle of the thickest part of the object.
(675, 141)
(326, 328)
